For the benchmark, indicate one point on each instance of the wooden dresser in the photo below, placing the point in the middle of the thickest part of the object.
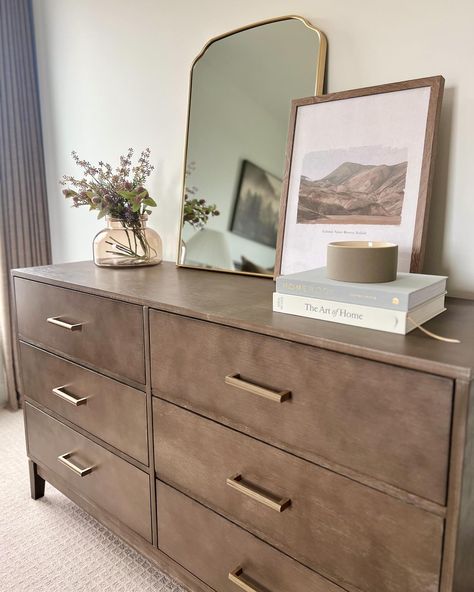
(241, 449)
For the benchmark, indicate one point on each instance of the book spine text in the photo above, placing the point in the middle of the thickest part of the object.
(364, 296)
(341, 312)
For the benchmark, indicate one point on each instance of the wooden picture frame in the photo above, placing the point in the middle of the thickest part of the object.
(371, 126)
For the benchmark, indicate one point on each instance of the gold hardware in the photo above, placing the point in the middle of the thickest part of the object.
(62, 394)
(64, 458)
(235, 577)
(273, 502)
(318, 90)
(69, 326)
(278, 397)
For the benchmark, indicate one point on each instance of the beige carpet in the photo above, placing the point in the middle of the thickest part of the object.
(51, 544)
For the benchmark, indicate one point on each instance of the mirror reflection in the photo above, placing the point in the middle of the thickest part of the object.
(241, 91)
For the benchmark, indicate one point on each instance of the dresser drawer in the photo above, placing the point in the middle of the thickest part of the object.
(335, 525)
(211, 548)
(116, 486)
(110, 410)
(103, 332)
(385, 422)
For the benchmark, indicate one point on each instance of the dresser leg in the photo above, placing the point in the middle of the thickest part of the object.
(36, 482)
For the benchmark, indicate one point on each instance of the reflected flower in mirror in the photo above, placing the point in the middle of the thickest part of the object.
(196, 211)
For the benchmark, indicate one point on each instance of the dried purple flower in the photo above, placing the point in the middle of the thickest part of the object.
(113, 192)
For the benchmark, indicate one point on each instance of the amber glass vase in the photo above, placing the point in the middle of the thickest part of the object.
(122, 245)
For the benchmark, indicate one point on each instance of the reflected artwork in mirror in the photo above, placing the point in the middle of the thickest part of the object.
(242, 85)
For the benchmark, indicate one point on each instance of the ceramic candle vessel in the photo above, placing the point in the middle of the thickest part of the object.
(362, 261)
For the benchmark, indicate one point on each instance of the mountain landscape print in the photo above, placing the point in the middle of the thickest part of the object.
(352, 192)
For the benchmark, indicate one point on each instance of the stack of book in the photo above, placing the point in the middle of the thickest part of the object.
(398, 306)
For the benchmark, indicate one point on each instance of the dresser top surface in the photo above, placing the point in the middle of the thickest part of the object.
(246, 302)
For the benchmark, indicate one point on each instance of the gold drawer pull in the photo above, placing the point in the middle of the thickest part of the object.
(64, 458)
(273, 502)
(278, 397)
(62, 394)
(235, 577)
(65, 325)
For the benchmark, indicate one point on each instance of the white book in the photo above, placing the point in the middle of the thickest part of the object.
(358, 315)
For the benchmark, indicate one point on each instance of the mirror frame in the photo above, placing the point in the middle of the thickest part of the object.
(320, 68)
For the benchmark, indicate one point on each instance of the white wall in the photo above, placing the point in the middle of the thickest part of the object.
(114, 73)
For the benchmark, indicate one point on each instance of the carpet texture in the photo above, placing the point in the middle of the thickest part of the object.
(51, 544)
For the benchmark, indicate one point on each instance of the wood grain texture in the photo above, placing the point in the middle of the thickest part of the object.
(460, 570)
(345, 531)
(210, 547)
(385, 422)
(436, 85)
(111, 336)
(115, 485)
(246, 303)
(149, 417)
(113, 411)
(157, 557)
(459, 440)
(89, 436)
(427, 173)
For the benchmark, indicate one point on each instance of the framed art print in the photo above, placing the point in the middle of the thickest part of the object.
(257, 205)
(359, 167)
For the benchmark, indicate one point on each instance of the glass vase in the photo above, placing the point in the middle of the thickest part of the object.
(123, 245)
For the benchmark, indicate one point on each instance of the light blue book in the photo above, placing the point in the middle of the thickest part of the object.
(406, 292)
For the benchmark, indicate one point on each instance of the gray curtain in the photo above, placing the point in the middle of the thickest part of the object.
(24, 226)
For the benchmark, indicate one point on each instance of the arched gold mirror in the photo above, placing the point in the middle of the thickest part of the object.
(241, 89)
